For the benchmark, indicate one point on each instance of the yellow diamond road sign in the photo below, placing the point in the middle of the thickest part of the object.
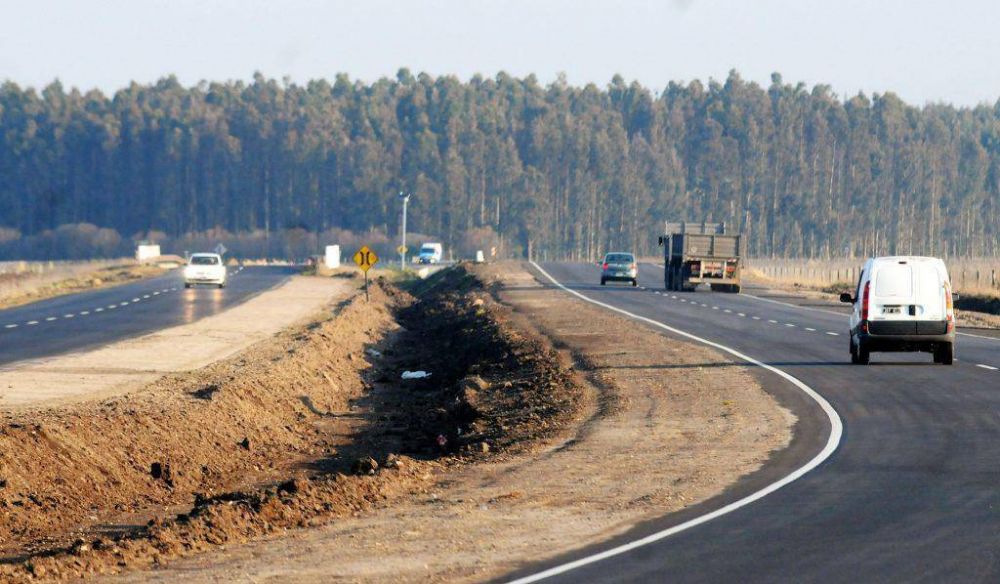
(365, 258)
(402, 249)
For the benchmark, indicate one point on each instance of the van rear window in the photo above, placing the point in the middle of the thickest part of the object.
(894, 280)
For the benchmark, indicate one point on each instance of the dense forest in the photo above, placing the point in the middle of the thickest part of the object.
(557, 170)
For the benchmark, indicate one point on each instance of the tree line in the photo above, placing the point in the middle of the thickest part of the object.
(554, 170)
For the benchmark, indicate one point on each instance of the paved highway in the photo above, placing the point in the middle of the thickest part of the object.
(90, 319)
(912, 492)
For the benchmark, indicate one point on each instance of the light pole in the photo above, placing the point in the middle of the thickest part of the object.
(402, 248)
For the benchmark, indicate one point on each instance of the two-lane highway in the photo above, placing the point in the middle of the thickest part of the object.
(912, 493)
(90, 319)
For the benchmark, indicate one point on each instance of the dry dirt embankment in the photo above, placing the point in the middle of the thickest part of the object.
(259, 443)
(657, 426)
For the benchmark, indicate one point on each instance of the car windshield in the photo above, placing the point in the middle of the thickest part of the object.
(204, 261)
(427, 249)
(619, 258)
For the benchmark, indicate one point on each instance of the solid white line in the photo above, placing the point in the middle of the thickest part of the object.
(990, 367)
(836, 431)
(845, 315)
(978, 336)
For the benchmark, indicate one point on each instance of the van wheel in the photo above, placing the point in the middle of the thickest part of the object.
(735, 288)
(859, 356)
(945, 354)
(603, 281)
(635, 283)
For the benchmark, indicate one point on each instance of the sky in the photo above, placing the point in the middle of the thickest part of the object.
(924, 51)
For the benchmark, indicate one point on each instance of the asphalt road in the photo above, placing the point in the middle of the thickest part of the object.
(912, 493)
(90, 319)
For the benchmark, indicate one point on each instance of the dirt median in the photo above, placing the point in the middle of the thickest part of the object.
(660, 425)
(309, 427)
(131, 364)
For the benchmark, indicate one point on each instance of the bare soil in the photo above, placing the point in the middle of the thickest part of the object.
(313, 426)
(647, 426)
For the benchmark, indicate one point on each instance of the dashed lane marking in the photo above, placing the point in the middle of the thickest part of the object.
(988, 367)
(833, 334)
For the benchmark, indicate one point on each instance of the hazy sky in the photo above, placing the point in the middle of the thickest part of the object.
(923, 50)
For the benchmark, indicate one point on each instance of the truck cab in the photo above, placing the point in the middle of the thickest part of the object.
(430, 253)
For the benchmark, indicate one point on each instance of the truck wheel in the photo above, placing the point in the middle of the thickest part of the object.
(945, 354)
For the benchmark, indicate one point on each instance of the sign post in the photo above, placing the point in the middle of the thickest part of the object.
(365, 258)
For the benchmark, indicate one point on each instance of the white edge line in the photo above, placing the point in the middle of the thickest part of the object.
(790, 305)
(990, 367)
(836, 431)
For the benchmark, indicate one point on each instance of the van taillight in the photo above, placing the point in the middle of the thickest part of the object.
(864, 301)
(949, 306)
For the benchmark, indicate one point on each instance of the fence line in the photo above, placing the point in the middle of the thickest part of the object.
(969, 275)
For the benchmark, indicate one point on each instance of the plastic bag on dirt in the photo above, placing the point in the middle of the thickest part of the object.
(415, 374)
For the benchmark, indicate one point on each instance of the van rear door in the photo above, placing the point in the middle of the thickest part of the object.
(908, 290)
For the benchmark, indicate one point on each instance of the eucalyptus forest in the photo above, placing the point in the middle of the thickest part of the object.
(555, 171)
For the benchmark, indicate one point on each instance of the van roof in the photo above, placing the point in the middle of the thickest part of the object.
(913, 259)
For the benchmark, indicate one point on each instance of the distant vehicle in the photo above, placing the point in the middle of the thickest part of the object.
(205, 268)
(619, 267)
(701, 253)
(430, 253)
(902, 303)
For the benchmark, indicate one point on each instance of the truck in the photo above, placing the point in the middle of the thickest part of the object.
(701, 253)
(430, 253)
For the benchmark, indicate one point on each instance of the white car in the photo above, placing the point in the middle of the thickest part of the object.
(903, 303)
(205, 268)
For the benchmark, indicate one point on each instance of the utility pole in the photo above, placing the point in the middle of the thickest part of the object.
(402, 248)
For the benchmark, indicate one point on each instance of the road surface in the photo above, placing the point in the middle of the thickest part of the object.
(912, 493)
(91, 319)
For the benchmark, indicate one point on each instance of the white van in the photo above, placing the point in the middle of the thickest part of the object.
(903, 303)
